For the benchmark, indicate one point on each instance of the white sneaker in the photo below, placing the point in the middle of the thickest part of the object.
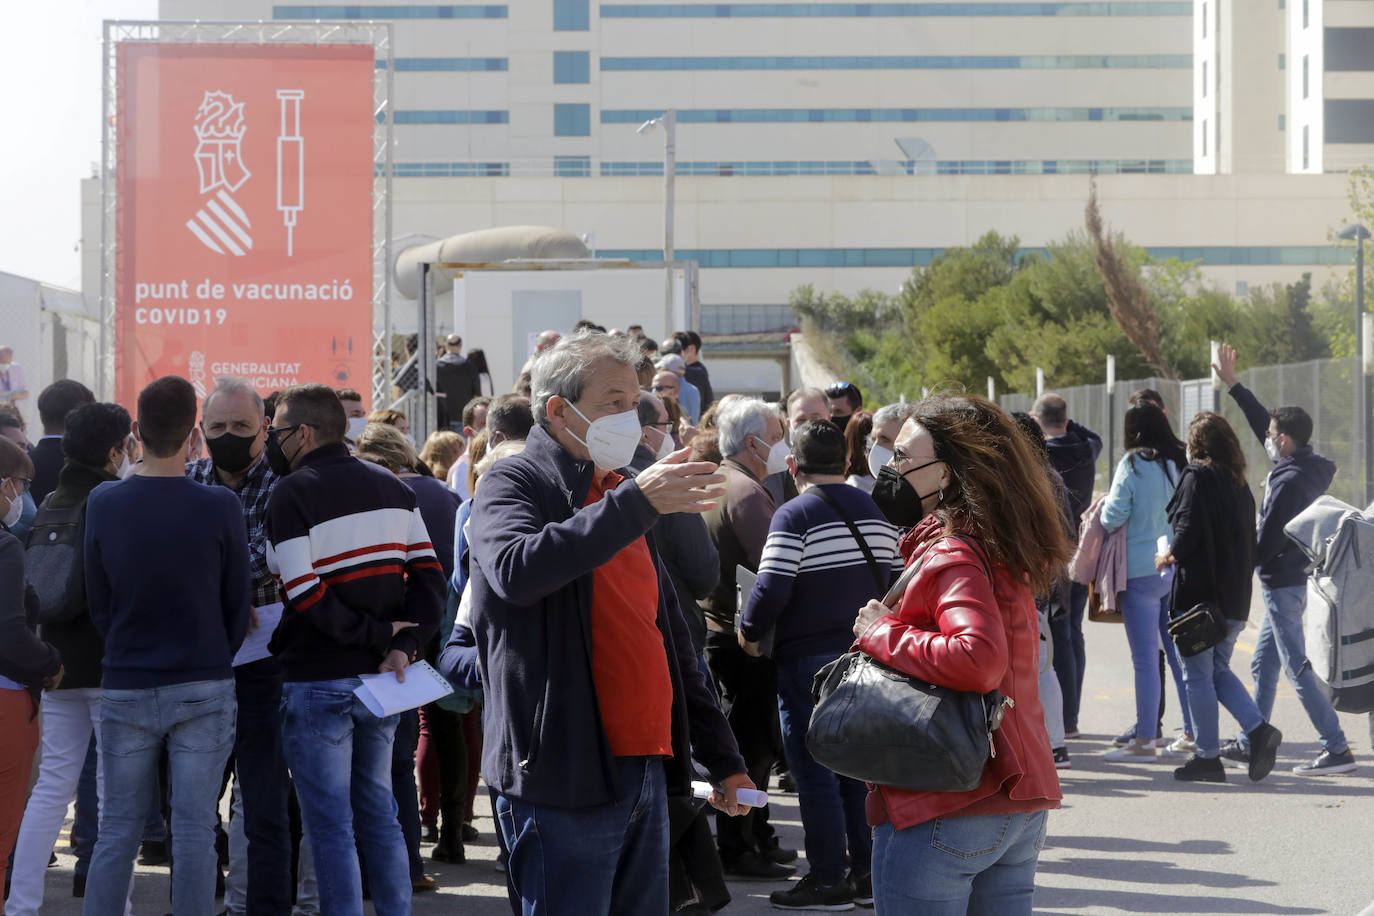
(1182, 746)
(1137, 751)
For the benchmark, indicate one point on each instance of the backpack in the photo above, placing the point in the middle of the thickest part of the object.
(1339, 625)
(54, 562)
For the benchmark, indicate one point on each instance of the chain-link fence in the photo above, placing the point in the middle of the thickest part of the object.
(1325, 388)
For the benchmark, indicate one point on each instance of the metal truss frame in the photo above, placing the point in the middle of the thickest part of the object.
(377, 34)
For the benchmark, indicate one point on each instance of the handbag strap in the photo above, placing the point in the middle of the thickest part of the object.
(873, 567)
(899, 587)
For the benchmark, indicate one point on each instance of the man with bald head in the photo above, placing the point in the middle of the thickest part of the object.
(689, 396)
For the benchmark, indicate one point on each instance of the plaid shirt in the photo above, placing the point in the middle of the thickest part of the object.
(254, 493)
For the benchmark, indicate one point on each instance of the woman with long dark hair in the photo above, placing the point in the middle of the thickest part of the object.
(984, 527)
(1212, 515)
(1141, 489)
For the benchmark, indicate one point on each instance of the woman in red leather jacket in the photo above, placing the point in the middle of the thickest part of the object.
(961, 467)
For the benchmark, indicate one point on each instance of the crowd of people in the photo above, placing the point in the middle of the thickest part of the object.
(631, 585)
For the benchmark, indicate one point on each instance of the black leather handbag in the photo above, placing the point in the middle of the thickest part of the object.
(1198, 629)
(876, 724)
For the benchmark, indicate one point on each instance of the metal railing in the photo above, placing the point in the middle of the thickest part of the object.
(1325, 388)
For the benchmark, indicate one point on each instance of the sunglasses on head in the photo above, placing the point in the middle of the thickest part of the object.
(837, 389)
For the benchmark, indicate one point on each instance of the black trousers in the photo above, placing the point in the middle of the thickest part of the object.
(748, 691)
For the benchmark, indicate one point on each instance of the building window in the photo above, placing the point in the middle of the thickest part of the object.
(909, 62)
(572, 120)
(1304, 76)
(1304, 14)
(384, 11)
(1283, 122)
(1304, 147)
(1204, 20)
(1204, 137)
(572, 166)
(571, 15)
(866, 10)
(1283, 61)
(1204, 79)
(1349, 120)
(572, 66)
(1349, 49)
(892, 115)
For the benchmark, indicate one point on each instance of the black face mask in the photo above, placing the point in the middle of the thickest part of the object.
(841, 422)
(898, 499)
(276, 458)
(230, 453)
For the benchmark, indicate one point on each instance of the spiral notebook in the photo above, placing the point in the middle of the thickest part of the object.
(384, 696)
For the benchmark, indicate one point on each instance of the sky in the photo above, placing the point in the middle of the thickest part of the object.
(51, 137)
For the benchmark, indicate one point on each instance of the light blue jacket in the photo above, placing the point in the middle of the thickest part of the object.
(1140, 494)
(689, 399)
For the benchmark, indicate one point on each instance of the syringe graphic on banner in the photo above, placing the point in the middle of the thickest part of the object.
(290, 163)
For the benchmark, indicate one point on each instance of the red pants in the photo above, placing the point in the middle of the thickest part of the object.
(19, 726)
(427, 755)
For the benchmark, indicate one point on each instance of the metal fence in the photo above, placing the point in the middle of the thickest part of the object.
(1325, 388)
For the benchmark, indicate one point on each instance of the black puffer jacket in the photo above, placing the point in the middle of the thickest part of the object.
(24, 658)
(1214, 542)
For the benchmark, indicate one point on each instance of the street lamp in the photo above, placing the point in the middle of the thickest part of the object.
(1357, 233)
(668, 121)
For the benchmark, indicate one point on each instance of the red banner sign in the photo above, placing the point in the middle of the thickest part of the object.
(244, 215)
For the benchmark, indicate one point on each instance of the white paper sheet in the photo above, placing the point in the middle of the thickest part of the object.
(254, 646)
(384, 696)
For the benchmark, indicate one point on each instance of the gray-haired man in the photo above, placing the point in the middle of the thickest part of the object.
(594, 699)
(751, 439)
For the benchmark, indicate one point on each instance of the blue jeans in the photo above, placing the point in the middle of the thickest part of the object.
(196, 720)
(86, 823)
(1211, 682)
(260, 772)
(612, 859)
(1175, 663)
(339, 755)
(982, 865)
(1140, 608)
(1070, 657)
(832, 806)
(1281, 644)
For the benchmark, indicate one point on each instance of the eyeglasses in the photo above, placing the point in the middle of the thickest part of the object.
(838, 389)
(273, 430)
(661, 389)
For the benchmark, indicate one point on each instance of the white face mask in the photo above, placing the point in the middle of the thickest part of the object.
(123, 470)
(877, 457)
(16, 506)
(665, 448)
(356, 425)
(778, 453)
(1271, 448)
(611, 440)
(409, 438)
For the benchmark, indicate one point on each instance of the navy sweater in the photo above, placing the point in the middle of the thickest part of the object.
(814, 577)
(167, 580)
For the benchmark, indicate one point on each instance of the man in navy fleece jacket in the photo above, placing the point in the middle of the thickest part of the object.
(168, 584)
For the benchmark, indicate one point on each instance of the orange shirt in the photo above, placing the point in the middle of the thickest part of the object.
(629, 661)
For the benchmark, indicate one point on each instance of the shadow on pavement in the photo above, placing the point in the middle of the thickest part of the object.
(1122, 844)
(1145, 871)
(1096, 900)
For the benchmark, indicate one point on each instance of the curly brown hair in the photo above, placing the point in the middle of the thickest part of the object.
(998, 488)
(1212, 441)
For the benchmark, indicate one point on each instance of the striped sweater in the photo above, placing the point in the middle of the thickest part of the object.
(813, 577)
(348, 544)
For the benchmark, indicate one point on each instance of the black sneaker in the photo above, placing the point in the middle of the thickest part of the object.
(1234, 753)
(429, 835)
(470, 834)
(861, 884)
(753, 867)
(152, 853)
(780, 855)
(1264, 742)
(787, 782)
(1327, 764)
(1201, 769)
(810, 894)
(1061, 759)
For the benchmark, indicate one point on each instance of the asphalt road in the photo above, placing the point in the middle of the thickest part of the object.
(1129, 838)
